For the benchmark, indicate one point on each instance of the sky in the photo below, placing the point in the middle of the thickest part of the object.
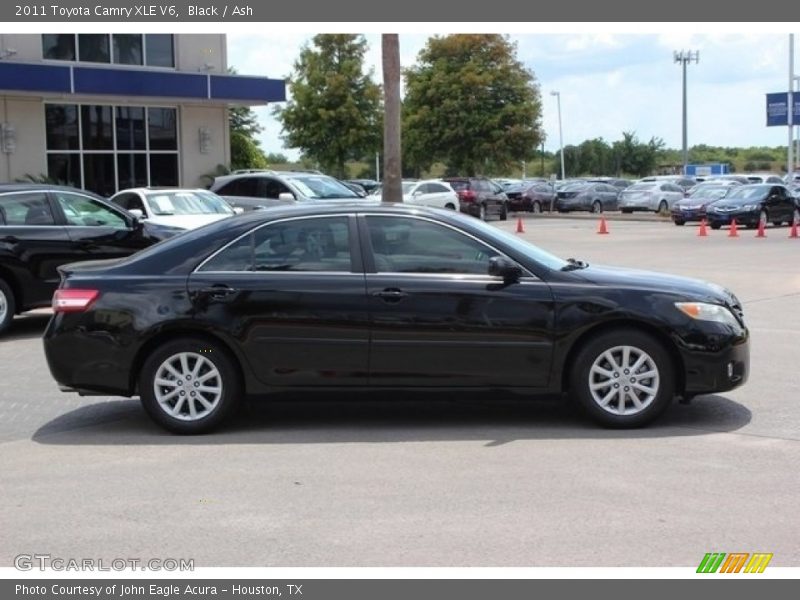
(608, 82)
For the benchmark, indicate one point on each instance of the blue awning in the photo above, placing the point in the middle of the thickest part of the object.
(110, 81)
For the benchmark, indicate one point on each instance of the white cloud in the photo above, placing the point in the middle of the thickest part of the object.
(609, 83)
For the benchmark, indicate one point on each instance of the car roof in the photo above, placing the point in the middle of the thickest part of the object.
(25, 187)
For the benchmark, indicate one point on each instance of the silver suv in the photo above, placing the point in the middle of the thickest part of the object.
(254, 189)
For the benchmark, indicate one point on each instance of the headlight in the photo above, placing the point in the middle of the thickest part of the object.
(750, 207)
(708, 312)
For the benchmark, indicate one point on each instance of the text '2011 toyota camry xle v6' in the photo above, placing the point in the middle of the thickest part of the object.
(383, 297)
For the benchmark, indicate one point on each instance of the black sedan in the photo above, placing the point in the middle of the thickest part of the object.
(44, 226)
(531, 197)
(693, 207)
(594, 197)
(753, 204)
(384, 297)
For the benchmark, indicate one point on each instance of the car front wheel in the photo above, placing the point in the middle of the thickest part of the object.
(663, 207)
(7, 306)
(597, 207)
(623, 378)
(504, 212)
(189, 385)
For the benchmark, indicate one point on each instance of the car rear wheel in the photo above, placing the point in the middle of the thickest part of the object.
(450, 206)
(7, 306)
(189, 386)
(597, 207)
(626, 211)
(716, 226)
(663, 207)
(504, 212)
(623, 378)
(679, 222)
(536, 207)
(482, 212)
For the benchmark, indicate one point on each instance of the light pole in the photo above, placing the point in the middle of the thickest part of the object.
(685, 57)
(560, 135)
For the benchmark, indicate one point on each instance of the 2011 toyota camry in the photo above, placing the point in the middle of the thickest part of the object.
(384, 296)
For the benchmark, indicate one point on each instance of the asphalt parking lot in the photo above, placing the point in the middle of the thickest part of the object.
(424, 482)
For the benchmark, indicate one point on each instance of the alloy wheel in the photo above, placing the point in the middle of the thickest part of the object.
(188, 386)
(624, 380)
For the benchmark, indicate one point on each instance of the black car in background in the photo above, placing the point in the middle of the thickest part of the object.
(693, 207)
(480, 197)
(43, 227)
(753, 204)
(585, 195)
(384, 297)
(534, 196)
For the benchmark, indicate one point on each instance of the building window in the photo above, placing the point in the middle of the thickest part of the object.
(58, 46)
(106, 148)
(93, 47)
(152, 50)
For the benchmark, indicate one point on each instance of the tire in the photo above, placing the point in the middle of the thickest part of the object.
(450, 206)
(680, 223)
(8, 306)
(615, 406)
(626, 211)
(482, 212)
(504, 212)
(225, 385)
(597, 207)
(715, 226)
(663, 207)
(536, 207)
(779, 223)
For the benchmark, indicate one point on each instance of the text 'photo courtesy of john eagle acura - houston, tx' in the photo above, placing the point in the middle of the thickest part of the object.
(356, 296)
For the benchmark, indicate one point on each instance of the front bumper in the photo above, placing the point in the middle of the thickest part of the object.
(742, 218)
(688, 214)
(720, 367)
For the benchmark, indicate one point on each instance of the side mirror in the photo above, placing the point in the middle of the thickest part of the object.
(417, 193)
(286, 197)
(137, 213)
(237, 210)
(500, 266)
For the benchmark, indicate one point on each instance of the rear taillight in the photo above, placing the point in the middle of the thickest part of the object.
(74, 300)
(466, 196)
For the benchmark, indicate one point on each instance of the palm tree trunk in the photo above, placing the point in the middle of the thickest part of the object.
(392, 167)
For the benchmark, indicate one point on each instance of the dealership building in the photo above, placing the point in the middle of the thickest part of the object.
(106, 112)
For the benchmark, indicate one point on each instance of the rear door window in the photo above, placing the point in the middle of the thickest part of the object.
(26, 208)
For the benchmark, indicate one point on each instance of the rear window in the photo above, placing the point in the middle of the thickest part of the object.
(459, 186)
(640, 187)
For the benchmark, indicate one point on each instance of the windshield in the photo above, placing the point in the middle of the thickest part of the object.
(715, 192)
(574, 187)
(534, 253)
(321, 187)
(749, 192)
(189, 202)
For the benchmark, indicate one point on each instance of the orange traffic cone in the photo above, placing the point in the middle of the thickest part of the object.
(733, 232)
(703, 232)
(793, 232)
(603, 229)
(761, 232)
(520, 226)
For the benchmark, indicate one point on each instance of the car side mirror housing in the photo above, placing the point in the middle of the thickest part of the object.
(237, 210)
(137, 213)
(286, 197)
(500, 266)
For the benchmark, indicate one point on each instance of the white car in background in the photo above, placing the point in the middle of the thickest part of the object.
(430, 192)
(184, 208)
(656, 196)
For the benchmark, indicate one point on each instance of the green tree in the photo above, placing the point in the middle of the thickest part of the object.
(635, 157)
(471, 104)
(277, 158)
(246, 152)
(334, 114)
